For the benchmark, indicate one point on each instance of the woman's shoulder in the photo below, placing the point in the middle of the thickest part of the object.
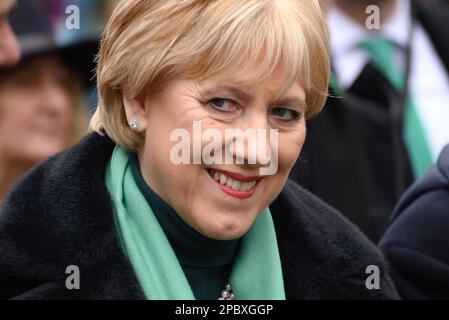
(71, 179)
(51, 202)
(55, 177)
(57, 215)
(60, 215)
(324, 255)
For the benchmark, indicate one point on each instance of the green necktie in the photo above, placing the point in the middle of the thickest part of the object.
(380, 51)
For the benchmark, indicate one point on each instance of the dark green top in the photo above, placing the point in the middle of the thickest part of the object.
(206, 262)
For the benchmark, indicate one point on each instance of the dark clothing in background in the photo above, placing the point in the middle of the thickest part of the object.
(417, 243)
(353, 149)
(61, 214)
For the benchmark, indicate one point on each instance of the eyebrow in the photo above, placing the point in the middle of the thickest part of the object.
(290, 101)
(231, 89)
(241, 94)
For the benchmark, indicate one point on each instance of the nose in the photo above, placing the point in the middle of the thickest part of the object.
(253, 142)
(54, 98)
(9, 48)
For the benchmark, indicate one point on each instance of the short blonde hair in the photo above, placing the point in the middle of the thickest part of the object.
(148, 43)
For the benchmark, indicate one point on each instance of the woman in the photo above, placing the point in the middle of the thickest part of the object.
(41, 112)
(128, 220)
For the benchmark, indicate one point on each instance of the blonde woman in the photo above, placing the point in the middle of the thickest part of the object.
(138, 213)
(41, 109)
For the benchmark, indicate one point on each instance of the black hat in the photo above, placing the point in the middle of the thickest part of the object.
(31, 23)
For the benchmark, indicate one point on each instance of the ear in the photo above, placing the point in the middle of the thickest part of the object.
(135, 109)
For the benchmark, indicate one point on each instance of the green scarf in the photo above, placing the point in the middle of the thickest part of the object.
(256, 273)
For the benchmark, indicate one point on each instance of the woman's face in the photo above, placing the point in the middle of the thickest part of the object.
(217, 209)
(35, 110)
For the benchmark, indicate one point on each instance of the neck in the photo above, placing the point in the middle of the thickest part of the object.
(10, 174)
(356, 10)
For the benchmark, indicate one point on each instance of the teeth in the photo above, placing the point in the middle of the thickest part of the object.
(236, 185)
(231, 183)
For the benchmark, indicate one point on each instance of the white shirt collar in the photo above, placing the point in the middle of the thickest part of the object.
(346, 35)
(397, 27)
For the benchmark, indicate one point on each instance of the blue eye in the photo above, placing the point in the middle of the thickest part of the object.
(286, 114)
(221, 104)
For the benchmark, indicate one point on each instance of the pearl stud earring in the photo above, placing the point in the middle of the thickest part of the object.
(134, 125)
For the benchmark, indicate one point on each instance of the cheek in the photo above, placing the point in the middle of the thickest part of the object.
(68, 106)
(14, 137)
(15, 120)
(290, 145)
(171, 180)
(16, 111)
(69, 120)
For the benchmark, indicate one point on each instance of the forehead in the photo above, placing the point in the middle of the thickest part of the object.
(6, 6)
(45, 64)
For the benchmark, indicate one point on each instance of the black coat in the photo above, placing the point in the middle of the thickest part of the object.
(417, 242)
(354, 157)
(61, 214)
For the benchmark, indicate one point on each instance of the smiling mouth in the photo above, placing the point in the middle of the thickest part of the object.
(233, 184)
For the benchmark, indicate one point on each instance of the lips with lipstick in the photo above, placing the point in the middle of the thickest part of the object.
(233, 184)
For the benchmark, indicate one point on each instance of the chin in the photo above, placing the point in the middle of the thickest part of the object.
(226, 231)
(223, 236)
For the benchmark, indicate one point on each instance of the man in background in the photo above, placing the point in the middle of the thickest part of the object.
(386, 120)
(9, 49)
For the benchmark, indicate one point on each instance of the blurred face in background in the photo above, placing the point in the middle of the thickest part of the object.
(9, 49)
(35, 110)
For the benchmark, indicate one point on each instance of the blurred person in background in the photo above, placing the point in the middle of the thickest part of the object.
(94, 15)
(9, 49)
(41, 99)
(386, 120)
(416, 244)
